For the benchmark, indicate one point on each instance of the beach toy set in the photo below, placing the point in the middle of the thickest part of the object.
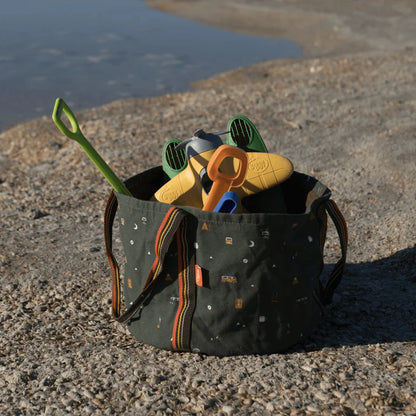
(201, 169)
(214, 168)
(223, 244)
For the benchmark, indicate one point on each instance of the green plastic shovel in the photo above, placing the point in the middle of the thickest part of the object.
(77, 135)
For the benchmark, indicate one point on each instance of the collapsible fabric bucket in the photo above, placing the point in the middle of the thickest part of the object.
(224, 284)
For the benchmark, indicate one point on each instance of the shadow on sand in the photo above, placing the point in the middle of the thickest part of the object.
(375, 303)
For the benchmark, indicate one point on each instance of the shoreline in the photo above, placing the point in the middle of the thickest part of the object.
(323, 28)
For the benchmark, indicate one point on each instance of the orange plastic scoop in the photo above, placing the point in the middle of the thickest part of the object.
(264, 171)
(222, 181)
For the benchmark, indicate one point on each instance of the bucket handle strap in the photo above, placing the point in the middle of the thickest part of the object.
(164, 238)
(338, 270)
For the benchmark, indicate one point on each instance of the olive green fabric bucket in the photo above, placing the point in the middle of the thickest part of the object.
(224, 284)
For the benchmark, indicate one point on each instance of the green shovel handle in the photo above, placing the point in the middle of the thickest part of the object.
(77, 135)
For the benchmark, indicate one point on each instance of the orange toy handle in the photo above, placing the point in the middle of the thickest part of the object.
(223, 182)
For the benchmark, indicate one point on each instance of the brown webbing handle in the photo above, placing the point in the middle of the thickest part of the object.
(165, 235)
(338, 270)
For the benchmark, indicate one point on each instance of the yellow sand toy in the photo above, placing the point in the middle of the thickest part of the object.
(264, 170)
(186, 187)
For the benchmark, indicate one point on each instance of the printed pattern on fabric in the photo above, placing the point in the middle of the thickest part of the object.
(260, 282)
(226, 284)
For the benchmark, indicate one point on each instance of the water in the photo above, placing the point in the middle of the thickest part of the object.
(91, 52)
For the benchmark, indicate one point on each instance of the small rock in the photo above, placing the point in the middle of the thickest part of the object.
(49, 410)
(88, 394)
(228, 410)
(270, 407)
(88, 410)
(321, 396)
(292, 123)
(37, 213)
(325, 386)
(343, 376)
(338, 394)
(73, 395)
(55, 145)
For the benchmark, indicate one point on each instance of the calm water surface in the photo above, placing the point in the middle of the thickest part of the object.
(91, 52)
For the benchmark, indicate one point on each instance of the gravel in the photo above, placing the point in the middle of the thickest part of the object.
(352, 125)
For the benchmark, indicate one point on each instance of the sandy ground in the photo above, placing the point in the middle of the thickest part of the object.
(344, 115)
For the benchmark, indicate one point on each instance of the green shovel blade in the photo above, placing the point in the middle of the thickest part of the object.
(76, 134)
(173, 159)
(243, 133)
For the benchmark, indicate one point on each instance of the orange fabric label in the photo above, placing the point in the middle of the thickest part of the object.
(198, 276)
